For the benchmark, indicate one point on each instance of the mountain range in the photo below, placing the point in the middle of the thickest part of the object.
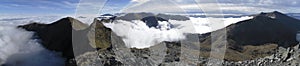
(246, 40)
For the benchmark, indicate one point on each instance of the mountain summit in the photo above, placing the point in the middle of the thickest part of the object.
(282, 18)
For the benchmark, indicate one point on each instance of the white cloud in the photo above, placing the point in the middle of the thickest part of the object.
(131, 32)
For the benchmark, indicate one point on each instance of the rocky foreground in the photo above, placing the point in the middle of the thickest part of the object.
(269, 39)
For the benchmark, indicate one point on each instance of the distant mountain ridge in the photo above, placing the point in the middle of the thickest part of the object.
(139, 16)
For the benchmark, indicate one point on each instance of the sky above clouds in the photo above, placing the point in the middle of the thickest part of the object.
(37, 6)
(227, 6)
(46, 7)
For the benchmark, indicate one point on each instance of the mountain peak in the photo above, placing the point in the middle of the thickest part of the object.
(282, 18)
(277, 12)
(76, 24)
(273, 15)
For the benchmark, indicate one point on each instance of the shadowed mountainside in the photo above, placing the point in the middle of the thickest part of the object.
(68, 34)
(255, 38)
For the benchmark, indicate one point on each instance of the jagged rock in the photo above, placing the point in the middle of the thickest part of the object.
(99, 36)
(98, 58)
(173, 52)
(270, 62)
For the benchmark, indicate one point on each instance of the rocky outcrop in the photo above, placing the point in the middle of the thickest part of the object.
(173, 52)
(282, 57)
(99, 36)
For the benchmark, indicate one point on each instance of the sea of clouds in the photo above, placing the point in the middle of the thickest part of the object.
(136, 34)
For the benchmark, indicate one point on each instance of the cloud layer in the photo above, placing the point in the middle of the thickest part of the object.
(136, 34)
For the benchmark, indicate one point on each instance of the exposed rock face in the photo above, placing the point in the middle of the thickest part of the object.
(99, 36)
(173, 52)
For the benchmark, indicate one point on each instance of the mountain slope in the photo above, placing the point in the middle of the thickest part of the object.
(285, 19)
(257, 37)
(71, 37)
(65, 35)
(56, 36)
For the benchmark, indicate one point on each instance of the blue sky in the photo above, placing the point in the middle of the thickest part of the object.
(38, 6)
(46, 7)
